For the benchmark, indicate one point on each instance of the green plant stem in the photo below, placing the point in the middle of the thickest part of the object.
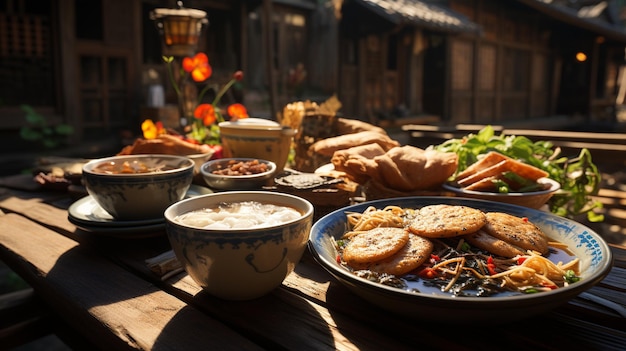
(171, 74)
(202, 92)
(223, 91)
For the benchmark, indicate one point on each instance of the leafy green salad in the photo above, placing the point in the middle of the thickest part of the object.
(579, 177)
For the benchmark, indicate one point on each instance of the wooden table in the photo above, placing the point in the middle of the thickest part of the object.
(103, 290)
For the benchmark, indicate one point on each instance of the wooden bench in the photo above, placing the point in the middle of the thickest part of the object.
(410, 120)
(22, 318)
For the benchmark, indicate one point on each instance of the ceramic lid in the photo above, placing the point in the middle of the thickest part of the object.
(251, 123)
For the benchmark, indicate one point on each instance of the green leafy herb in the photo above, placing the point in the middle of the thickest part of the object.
(571, 277)
(530, 291)
(579, 177)
(465, 247)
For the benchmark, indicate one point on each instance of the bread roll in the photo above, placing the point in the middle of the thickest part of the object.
(358, 162)
(349, 126)
(410, 168)
(164, 144)
(328, 146)
(404, 168)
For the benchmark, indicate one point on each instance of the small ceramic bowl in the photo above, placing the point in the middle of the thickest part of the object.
(134, 187)
(257, 138)
(235, 182)
(533, 199)
(239, 263)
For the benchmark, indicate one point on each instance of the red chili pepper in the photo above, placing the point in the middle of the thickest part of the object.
(520, 260)
(551, 286)
(435, 257)
(428, 273)
(338, 259)
(525, 219)
(491, 267)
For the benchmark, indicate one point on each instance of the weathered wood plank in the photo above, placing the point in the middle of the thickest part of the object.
(311, 310)
(313, 328)
(313, 331)
(116, 308)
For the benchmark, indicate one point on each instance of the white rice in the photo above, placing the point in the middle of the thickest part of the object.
(239, 215)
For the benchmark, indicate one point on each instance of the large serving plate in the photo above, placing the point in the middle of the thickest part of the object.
(594, 253)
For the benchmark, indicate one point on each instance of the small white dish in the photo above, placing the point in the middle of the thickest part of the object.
(327, 168)
(132, 232)
(87, 211)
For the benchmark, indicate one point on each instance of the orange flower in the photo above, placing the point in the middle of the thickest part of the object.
(237, 111)
(151, 130)
(198, 66)
(206, 113)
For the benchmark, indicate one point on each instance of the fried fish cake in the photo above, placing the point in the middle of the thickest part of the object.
(516, 231)
(444, 221)
(489, 243)
(416, 251)
(375, 245)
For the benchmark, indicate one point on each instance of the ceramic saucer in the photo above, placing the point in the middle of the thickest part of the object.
(87, 215)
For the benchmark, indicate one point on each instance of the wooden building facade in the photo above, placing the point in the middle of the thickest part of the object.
(91, 63)
(482, 61)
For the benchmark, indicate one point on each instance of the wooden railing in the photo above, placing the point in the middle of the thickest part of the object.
(606, 147)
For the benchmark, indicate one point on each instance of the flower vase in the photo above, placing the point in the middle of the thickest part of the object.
(187, 102)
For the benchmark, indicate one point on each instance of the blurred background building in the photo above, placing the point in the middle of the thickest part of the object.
(97, 64)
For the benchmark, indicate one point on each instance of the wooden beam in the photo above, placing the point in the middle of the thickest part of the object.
(269, 50)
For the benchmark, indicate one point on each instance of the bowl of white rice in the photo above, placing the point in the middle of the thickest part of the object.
(239, 245)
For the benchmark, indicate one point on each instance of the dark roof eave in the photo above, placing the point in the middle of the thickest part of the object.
(446, 29)
(464, 25)
(568, 16)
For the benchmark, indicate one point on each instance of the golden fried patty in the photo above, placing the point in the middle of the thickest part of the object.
(375, 244)
(516, 231)
(410, 256)
(489, 243)
(443, 221)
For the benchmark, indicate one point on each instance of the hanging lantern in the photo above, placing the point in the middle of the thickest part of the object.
(180, 29)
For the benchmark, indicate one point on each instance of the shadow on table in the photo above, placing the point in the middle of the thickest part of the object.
(276, 321)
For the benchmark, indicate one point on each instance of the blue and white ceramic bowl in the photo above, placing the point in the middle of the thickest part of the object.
(239, 264)
(593, 252)
(157, 182)
(235, 182)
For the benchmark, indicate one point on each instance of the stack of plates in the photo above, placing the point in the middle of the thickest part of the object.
(87, 215)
